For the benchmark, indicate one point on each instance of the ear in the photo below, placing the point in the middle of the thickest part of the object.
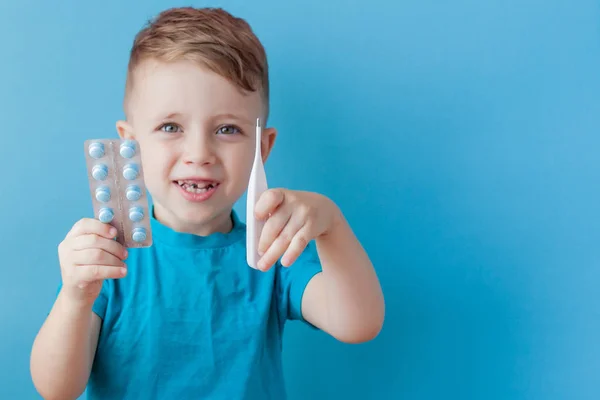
(268, 140)
(125, 130)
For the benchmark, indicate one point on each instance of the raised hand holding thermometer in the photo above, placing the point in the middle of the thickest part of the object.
(256, 186)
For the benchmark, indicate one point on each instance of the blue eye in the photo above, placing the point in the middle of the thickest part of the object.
(228, 130)
(170, 128)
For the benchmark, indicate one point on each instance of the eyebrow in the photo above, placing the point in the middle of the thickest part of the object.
(235, 117)
(218, 116)
(172, 115)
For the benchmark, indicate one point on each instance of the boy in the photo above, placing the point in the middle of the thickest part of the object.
(187, 318)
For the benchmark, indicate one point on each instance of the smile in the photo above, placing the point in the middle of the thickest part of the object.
(197, 187)
(196, 190)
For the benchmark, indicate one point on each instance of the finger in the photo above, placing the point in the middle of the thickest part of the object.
(297, 246)
(292, 225)
(92, 273)
(93, 241)
(272, 255)
(281, 243)
(96, 257)
(268, 202)
(91, 225)
(273, 228)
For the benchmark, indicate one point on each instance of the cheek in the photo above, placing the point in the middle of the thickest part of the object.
(240, 164)
(155, 159)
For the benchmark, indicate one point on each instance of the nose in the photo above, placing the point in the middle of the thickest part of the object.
(198, 149)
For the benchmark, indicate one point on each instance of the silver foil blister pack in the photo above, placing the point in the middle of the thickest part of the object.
(119, 196)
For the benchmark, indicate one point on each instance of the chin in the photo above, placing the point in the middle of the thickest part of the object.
(198, 217)
(197, 213)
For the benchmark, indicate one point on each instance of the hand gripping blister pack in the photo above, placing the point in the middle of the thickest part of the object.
(117, 187)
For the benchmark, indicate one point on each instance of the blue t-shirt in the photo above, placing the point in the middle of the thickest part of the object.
(192, 320)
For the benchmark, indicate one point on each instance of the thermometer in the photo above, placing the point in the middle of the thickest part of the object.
(256, 186)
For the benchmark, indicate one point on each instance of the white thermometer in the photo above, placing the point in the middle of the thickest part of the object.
(256, 186)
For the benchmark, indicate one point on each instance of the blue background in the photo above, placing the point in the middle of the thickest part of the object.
(460, 138)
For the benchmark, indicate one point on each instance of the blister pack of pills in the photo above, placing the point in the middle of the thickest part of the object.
(117, 187)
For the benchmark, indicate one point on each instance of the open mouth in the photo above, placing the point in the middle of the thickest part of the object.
(197, 187)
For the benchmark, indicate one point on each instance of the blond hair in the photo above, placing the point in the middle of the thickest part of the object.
(211, 37)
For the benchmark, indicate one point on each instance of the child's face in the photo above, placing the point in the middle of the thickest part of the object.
(197, 137)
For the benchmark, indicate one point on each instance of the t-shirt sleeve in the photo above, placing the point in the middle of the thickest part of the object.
(292, 281)
(99, 306)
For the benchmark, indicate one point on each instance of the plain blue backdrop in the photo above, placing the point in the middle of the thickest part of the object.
(459, 138)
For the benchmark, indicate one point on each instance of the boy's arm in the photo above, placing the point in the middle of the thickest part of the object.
(63, 351)
(345, 299)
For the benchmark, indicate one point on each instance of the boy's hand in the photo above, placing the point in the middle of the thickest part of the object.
(88, 255)
(293, 219)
